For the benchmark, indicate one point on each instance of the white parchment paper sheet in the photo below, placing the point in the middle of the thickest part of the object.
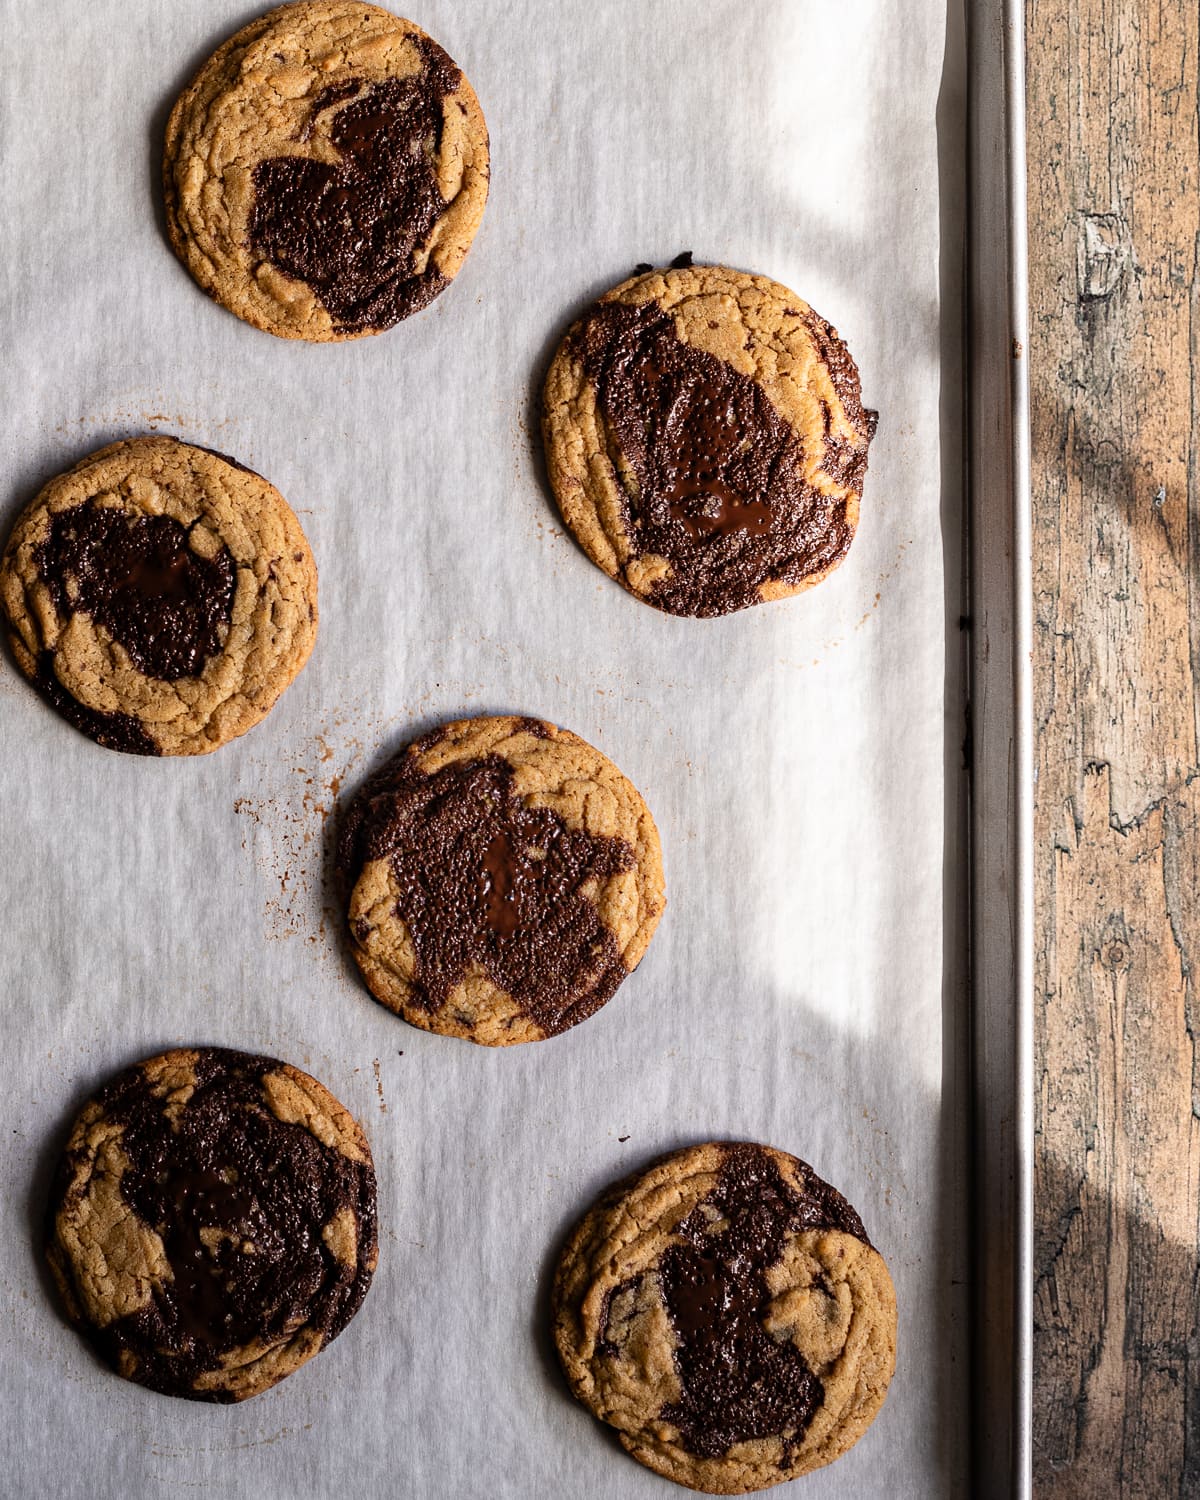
(799, 989)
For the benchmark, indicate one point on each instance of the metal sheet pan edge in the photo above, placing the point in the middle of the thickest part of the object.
(1002, 930)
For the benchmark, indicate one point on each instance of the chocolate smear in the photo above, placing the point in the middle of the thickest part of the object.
(354, 230)
(738, 1382)
(487, 881)
(710, 473)
(138, 578)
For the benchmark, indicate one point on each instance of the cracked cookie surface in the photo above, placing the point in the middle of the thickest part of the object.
(159, 596)
(726, 1313)
(504, 878)
(212, 1224)
(326, 171)
(706, 439)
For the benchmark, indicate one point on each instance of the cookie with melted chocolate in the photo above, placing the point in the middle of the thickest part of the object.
(503, 878)
(706, 439)
(326, 171)
(212, 1224)
(159, 596)
(725, 1311)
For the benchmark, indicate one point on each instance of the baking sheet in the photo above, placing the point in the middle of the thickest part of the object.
(801, 759)
(1002, 769)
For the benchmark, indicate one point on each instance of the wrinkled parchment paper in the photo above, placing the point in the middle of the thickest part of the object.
(802, 987)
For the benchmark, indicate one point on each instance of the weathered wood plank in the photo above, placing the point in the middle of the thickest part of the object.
(1115, 218)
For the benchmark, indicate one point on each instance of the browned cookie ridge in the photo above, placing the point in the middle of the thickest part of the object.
(161, 596)
(212, 1224)
(326, 171)
(503, 879)
(725, 1311)
(706, 439)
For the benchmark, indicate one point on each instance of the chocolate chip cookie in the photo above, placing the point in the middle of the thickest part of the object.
(503, 879)
(212, 1224)
(726, 1313)
(160, 596)
(326, 171)
(706, 439)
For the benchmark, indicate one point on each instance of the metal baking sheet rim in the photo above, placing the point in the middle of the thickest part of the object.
(1002, 780)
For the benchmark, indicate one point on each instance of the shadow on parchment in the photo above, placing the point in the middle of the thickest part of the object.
(955, 1098)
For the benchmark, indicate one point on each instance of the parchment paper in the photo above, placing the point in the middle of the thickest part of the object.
(803, 987)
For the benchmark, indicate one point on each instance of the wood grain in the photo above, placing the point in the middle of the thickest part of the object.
(1115, 339)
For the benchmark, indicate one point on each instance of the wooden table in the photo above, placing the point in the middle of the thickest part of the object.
(1115, 360)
